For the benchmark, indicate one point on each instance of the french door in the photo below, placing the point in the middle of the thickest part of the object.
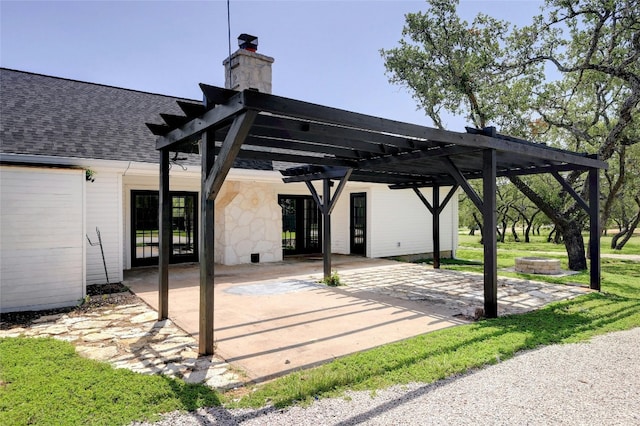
(145, 227)
(301, 225)
(358, 223)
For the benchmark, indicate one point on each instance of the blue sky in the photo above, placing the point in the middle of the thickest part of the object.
(325, 52)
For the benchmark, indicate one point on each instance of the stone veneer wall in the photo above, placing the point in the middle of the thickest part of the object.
(248, 219)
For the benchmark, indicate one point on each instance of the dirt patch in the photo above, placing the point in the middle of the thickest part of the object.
(98, 295)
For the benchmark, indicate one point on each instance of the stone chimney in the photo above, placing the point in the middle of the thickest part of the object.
(247, 69)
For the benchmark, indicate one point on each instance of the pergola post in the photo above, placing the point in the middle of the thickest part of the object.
(326, 228)
(326, 204)
(164, 237)
(435, 224)
(490, 243)
(594, 229)
(207, 223)
(435, 211)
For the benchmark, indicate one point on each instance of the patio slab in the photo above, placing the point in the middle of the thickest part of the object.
(271, 319)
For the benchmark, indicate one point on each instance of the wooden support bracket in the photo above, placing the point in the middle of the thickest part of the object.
(570, 191)
(228, 152)
(460, 179)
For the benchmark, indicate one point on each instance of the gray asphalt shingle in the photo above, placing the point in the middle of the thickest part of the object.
(44, 115)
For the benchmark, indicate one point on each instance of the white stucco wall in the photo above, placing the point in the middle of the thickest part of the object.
(42, 237)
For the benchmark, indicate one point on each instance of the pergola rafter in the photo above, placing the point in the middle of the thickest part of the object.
(335, 144)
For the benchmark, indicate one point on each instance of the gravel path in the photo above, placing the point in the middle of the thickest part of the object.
(597, 382)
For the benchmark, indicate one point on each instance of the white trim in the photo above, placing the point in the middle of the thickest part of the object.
(84, 234)
(132, 168)
(120, 227)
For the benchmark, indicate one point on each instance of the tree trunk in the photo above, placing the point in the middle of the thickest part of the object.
(526, 233)
(616, 237)
(529, 225)
(504, 231)
(557, 238)
(475, 217)
(631, 229)
(574, 243)
(514, 232)
(567, 226)
(550, 237)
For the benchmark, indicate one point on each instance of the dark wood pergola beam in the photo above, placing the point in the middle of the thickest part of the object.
(321, 173)
(192, 109)
(197, 126)
(313, 112)
(472, 168)
(408, 159)
(536, 170)
(228, 152)
(569, 189)
(464, 184)
(248, 154)
(322, 132)
(214, 95)
(391, 179)
(303, 146)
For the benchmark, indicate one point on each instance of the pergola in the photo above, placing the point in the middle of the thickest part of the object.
(333, 144)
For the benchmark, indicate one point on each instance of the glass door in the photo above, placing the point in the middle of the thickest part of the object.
(358, 223)
(145, 227)
(301, 225)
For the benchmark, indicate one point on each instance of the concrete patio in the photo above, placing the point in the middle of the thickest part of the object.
(271, 319)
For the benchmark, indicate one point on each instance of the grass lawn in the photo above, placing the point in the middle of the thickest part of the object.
(539, 243)
(43, 381)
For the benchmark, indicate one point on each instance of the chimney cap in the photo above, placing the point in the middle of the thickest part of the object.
(248, 42)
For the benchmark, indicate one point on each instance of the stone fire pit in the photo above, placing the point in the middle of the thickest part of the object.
(538, 265)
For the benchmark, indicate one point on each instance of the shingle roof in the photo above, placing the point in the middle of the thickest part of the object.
(44, 115)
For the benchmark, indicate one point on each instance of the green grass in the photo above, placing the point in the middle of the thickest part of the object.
(470, 249)
(44, 382)
(539, 243)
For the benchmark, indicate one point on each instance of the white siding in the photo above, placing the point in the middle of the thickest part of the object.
(42, 242)
(104, 211)
(340, 224)
(400, 224)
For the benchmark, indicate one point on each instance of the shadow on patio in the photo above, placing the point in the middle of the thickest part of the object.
(271, 319)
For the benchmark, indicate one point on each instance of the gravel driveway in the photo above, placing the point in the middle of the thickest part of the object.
(596, 382)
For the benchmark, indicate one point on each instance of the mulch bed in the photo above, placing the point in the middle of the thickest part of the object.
(98, 295)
